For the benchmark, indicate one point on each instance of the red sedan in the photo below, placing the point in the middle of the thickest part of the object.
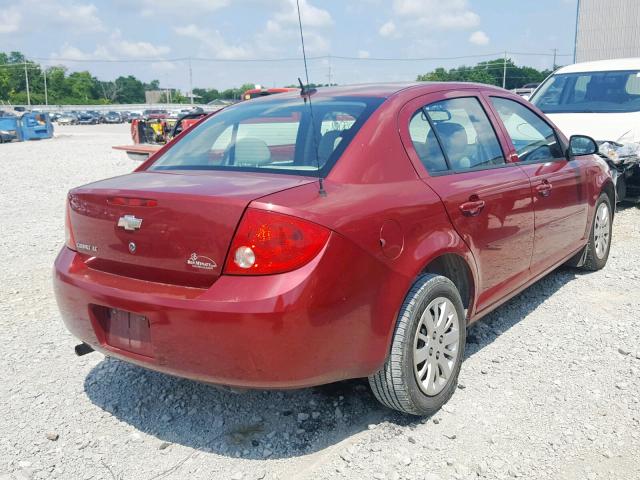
(301, 239)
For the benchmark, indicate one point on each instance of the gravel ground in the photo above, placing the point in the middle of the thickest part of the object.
(550, 387)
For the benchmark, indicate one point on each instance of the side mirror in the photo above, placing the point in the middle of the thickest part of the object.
(582, 145)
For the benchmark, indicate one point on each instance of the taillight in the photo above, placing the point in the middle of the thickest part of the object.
(70, 241)
(268, 242)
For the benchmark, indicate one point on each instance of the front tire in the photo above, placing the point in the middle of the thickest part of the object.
(421, 373)
(600, 236)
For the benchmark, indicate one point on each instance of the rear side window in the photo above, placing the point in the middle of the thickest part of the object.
(465, 134)
(533, 139)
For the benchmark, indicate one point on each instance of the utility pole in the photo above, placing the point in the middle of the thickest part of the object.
(504, 71)
(26, 79)
(190, 81)
(555, 54)
(46, 95)
(330, 77)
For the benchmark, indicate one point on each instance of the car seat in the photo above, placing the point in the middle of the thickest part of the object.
(252, 152)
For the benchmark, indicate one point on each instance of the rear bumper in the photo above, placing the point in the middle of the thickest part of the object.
(315, 325)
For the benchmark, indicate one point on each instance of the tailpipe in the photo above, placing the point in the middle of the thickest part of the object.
(83, 349)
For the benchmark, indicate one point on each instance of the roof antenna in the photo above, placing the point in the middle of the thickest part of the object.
(305, 92)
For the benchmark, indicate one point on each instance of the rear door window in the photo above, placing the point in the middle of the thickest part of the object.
(532, 137)
(465, 134)
(426, 144)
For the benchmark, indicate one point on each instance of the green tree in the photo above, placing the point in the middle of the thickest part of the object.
(82, 86)
(490, 72)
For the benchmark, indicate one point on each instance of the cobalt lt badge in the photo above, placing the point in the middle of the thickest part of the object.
(132, 247)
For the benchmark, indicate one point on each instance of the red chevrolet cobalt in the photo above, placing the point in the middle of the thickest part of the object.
(302, 239)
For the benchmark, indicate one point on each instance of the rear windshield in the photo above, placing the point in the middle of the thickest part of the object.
(276, 135)
(590, 92)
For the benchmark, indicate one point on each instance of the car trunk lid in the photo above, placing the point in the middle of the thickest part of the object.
(168, 227)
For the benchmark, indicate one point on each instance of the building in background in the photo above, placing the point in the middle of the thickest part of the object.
(163, 95)
(607, 29)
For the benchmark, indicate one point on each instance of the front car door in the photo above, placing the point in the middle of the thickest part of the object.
(558, 184)
(451, 141)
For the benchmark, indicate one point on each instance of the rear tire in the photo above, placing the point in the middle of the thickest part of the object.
(421, 372)
(600, 236)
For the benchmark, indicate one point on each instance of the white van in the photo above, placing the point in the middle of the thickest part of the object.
(600, 99)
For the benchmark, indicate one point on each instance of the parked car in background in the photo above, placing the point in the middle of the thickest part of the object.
(67, 118)
(7, 136)
(112, 117)
(124, 115)
(602, 100)
(99, 116)
(133, 116)
(87, 118)
(155, 114)
(293, 246)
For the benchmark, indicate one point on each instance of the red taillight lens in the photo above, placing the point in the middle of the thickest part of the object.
(70, 241)
(268, 242)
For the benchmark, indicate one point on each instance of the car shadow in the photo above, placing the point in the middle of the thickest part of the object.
(272, 424)
(483, 332)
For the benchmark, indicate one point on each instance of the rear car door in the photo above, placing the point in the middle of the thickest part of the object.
(454, 146)
(558, 184)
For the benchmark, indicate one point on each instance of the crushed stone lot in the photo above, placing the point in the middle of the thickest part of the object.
(550, 387)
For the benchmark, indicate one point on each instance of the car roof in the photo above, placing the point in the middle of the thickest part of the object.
(603, 66)
(381, 90)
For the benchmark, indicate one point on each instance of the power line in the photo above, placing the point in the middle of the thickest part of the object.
(294, 59)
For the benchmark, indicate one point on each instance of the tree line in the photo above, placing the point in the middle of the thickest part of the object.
(490, 72)
(82, 88)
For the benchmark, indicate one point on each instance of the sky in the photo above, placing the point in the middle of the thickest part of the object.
(152, 39)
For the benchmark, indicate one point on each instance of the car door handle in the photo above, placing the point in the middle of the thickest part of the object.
(544, 189)
(472, 208)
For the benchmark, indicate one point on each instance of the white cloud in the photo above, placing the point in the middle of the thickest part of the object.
(363, 54)
(10, 20)
(279, 33)
(139, 49)
(184, 8)
(388, 29)
(79, 17)
(312, 16)
(416, 15)
(116, 47)
(479, 38)
(74, 53)
(213, 43)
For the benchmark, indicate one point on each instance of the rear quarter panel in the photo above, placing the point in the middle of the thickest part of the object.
(416, 231)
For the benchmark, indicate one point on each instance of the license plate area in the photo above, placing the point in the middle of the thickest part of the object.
(125, 330)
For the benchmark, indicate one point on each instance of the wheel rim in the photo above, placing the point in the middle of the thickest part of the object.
(436, 345)
(601, 230)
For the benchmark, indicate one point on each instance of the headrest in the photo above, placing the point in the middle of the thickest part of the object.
(327, 145)
(252, 151)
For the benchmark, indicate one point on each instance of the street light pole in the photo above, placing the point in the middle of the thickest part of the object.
(504, 72)
(190, 81)
(46, 95)
(26, 79)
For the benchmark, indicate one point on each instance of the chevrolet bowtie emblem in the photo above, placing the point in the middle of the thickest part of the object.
(129, 222)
